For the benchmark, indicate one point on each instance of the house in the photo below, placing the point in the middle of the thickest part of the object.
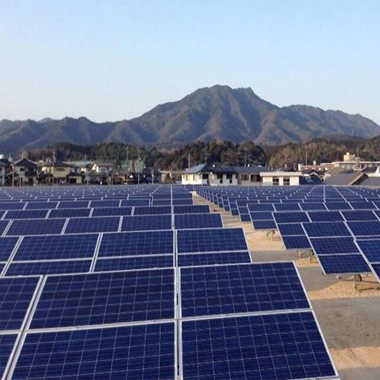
(281, 178)
(54, 172)
(250, 175)
(24, 172)
(210, 175)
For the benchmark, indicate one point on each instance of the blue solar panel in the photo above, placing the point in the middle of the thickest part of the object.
(184, 221)
(146, 223)
(264, 224)
(362, 205)
(325, 216)
(6, 247)
(135, 202)
(296, 242)
(191, 209)
(211, 240)
(70, 213)
(15, 297)
(260, 207)
(359, 215)
(179, 202)
(36, 227)
(131, 263)
(338, 206)
(311, 206)
(333, 246)
(283, 346)
(48, 267)
(56, 247)
(136, 243)
(370, 249)
(343, 264)
(100, 224)
(287, 207)
(287, 217)
(6, 343)
(107, 297)
(261, 215)
(3, 225)
(41, 205)
(365, 228)
(12, 206)
(240, 289)
(112, 211)
(132, 352)
(326, 229)
(26, 214)
(152, 210)
(73, 204)
(105, 203)
(245, 218)
(290, 229)
(200, 259)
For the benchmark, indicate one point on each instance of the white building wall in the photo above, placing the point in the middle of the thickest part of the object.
(193, 179)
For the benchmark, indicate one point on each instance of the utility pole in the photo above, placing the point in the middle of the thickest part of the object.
(306, 156)
(188, 160)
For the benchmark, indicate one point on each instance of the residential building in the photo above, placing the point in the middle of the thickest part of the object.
(24, 172)
(281, 178)
(210, 175)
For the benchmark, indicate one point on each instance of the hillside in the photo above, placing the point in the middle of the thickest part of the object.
(216, 113)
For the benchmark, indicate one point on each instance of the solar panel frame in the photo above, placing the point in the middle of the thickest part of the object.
(213, 258)
(8, 344)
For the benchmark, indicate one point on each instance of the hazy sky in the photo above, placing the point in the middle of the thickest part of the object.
(116, 59)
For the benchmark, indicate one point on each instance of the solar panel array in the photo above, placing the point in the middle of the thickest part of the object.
(90, 289)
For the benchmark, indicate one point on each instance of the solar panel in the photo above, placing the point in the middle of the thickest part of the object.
(105, 203)
(133, 263)
(361, 215)
(146, 223)
(120, 211)
(70, 213)
(36, 227)
(7, 245)
(326, 229)
(260, 207)
(99, 224)
(290, 229)
(338, 206)
(135, 202)
(296, 242)
(245, 218)
(333, 246)
(264, 225)
(26, 214)
(240, 289)
(185, 221)
(363, 205)
(107, 297)
(128, 352)
(282, 346)
(15, 297)
(343, 264)
(287, 207)
(12, 206)
(211, 240)
(40, 205)
(137, 243)
(200, 259)
(179, 202)
(7, 343)
(152, 210)
(311, 206)
(370, 249)
(48, 267)
(325, 216)
(365, 228)
(3, 225)
(295, 217)
(191, 209)
(56, 247)
(73, 204)
(261, 215)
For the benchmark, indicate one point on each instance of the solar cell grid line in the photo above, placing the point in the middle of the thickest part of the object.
(365, 228)
(137, 243)
(275, 346)
(8, 345)
(326, 229)
(91, 225)
(133, 263)
(35, 227)
(325, 216)
(202, 259)
(240, 288)
(105, 298)
(32, 268)
(189, 221)
(146, 223)
(286, 217)
(211, 240)
(343, 264)
(16, 294)
(370, 248)
(334, 246)
(55, 247)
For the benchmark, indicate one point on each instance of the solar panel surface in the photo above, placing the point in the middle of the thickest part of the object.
(69, 213)
(326, 229)
(343, 264)
(370, 249)
(186, 221)
(132, 263)
(333, 246)
(36, 227)
(365, 228)
(296, 242)
(7, 245)
(146, 223)
(7, 343)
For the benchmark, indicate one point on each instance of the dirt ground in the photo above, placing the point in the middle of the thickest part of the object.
(349, 318)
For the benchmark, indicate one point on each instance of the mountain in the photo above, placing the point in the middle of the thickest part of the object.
(215, 113)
